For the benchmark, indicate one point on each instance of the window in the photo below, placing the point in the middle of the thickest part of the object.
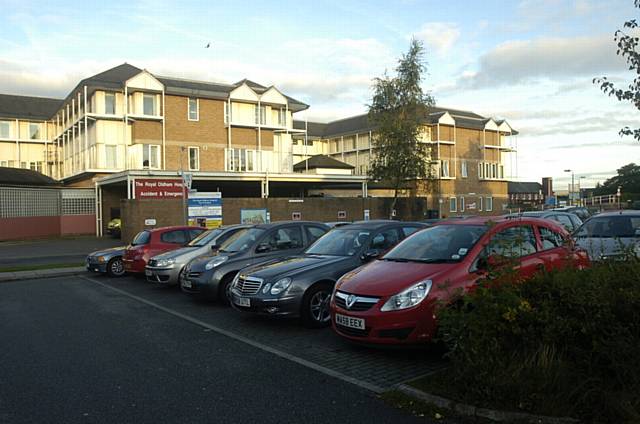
(480, 171)
(194, 106)
(512, 242)
(34, 131)
(150, 156)
(453, 204)
(550, 239)
(385, 240)
(444, 168)
(565, 221)
(410, 230)
(143, 237)
(463, 166)
(494, 170)
(480, 204)
(4, 163)
(149, 104)
(260, 115)
(111, 156)
(488, 206)
(5, 129)
(196, 233)
(194, 158)
(243, 160)
(24, 165)
(174, 237)
(285, 238)
(110, 103)
(314, 233)
(461, 204)
(282, 117)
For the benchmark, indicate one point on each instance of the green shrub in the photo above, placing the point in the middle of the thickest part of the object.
(565, 343)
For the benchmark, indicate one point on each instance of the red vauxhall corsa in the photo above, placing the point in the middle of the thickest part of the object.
(394, 300)
(149, 243)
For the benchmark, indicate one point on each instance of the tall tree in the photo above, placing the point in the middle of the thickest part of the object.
(627, 41)
(628, 179)
(397, 110)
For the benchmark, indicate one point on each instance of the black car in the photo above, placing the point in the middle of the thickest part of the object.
(210, 277)
(301, 286)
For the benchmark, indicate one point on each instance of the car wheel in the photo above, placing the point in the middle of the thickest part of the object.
(315, 306)
(223, 289)
(115, 267)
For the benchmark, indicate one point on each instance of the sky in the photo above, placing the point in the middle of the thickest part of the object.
(528, 61)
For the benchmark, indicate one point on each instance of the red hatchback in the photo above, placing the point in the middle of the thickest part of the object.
(394, 300)
(149, 243)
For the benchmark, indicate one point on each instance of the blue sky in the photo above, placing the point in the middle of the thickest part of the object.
(528, 61)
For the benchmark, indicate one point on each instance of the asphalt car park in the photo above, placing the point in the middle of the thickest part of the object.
(95, 349)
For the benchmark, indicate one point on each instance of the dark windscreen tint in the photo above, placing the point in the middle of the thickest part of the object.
(442, 243)
(242, 240)
(205, 238)
(611, 227)
(143, 237)
(340, 242)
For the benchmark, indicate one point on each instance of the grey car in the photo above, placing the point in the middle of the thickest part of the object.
(610, 235)
(301, 286)
(167, 267)
(210, 277)
(568, 220)
(108, 261)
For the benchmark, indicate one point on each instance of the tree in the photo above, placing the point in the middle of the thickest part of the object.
(397, 110)
(628, 49)
(628, 179)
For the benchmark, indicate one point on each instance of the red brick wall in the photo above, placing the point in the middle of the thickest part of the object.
(29, 227)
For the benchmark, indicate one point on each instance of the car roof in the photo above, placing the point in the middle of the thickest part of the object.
(540, 213)
(174, 227)
(380, 223)
(625, 212)
(269, 225)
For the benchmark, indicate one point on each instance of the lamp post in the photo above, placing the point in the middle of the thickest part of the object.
(580, 202)
(572, 186)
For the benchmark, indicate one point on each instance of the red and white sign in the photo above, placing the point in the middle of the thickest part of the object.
(159, 189)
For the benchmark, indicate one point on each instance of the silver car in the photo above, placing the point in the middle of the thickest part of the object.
(167, 267)
(610, 235)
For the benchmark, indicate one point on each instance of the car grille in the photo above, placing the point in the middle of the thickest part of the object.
(247, 285)
(361, 303)
(353, 332)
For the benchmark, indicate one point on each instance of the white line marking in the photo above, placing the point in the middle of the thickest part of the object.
(277, 352)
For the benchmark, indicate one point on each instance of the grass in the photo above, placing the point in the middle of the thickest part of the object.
(38, 267)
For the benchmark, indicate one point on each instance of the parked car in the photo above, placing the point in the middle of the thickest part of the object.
(114, 227)
(335, 224)
(107, 261)
(167, 267)
(149, 243)
(569, 221)
(580, 211)
(210, 277)
(301, 286)
(394, 300)
(610, 235)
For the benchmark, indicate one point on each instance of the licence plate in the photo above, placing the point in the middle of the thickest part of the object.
(186, 284)
(242, 301)
(148, 273)
(96, 269)
(351, 322)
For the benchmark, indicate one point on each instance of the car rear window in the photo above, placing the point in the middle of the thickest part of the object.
(611, 227)
(176, 237)
(141, 238)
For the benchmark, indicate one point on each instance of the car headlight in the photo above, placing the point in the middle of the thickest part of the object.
(217, 261)
(101, 259)
(280, 285)
(409, 297)
(163, 263)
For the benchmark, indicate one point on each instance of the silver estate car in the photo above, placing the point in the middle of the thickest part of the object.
(166, 267)
(610, 235)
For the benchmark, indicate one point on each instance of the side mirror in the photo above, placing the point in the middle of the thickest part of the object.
(215, 247)
(370, 254)
(263, 247)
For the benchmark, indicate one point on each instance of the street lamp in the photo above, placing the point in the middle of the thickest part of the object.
(572, 186)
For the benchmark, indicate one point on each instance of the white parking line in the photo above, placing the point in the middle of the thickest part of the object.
(277, 352)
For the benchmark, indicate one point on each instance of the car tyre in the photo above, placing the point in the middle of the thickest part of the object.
(223, 289)
(115, 267)
(315, 306)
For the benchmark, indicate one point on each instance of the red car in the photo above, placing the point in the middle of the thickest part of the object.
(394, 300)
(149, 243)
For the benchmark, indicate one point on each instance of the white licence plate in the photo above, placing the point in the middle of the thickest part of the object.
(148, 273)
(350, 322)
(242, 301)
(186, 284)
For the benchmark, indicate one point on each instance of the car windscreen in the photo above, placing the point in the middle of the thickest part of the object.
(242, 240)
(610, 227)
(340, 242)
(442, 243)
(205, 238)
(142, 237)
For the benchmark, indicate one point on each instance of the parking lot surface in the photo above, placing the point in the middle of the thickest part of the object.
(95, 349)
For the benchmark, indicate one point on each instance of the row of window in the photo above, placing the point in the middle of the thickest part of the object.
(460, 204)
(259, 113)
(34, 166)
(486, 170)
(149, 107)
(34, 130)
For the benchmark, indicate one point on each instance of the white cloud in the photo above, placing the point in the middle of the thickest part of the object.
(439, 36)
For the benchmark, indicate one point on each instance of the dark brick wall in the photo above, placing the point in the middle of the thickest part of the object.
(134, 213)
